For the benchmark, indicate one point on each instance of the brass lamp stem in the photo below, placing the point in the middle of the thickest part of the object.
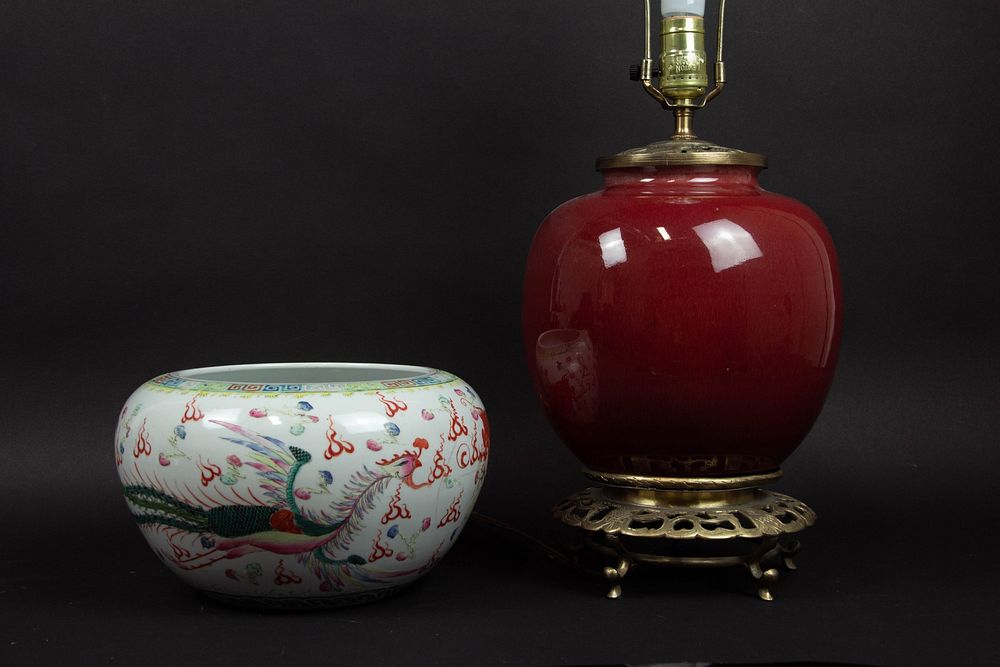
(683, 123)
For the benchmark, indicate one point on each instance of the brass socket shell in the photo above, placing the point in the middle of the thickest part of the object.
(683, 63)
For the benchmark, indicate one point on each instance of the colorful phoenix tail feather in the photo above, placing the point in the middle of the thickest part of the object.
(158, 508)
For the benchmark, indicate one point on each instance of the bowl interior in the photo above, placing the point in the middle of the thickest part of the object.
(327, 373)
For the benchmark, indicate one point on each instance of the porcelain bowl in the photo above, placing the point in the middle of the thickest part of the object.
(299, 485)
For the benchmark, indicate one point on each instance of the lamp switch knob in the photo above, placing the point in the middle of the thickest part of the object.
(635, 73)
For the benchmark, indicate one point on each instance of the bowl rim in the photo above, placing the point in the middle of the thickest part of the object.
(213, 379)
(219, 373)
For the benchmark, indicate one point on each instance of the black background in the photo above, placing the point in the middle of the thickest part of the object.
(192, 183)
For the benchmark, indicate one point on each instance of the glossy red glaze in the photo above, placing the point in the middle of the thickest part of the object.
(682, 321)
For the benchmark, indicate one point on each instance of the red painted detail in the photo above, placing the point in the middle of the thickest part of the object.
(335, 447)
(391, 406)
(192, 412)
(209, 471)
(453, 513)
(284, 521)
(379, 550)
(178, 550)
(470, 454)
(283, 577)
(396, 509)
(440, 466)
(142, 446)
(456, 427)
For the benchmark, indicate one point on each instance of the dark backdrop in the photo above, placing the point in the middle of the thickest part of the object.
(192, 183)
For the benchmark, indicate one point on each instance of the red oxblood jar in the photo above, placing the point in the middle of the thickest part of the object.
(682, 321)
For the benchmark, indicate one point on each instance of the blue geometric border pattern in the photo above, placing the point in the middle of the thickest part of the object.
(171, 381)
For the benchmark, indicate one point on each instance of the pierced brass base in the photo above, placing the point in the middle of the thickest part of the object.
(688, 528)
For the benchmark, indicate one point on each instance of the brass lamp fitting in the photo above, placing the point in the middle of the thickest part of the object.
(683, 71)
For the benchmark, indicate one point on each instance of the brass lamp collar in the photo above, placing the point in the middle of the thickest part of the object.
(680, 153)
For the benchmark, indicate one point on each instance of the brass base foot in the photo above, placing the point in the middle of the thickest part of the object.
(634, 526)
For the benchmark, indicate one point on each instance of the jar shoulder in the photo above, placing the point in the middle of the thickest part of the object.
(641, 207)
(642, 219)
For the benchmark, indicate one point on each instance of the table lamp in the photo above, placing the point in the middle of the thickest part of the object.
(682, 327)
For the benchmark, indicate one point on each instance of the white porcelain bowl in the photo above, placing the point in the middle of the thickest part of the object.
(302, 484)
